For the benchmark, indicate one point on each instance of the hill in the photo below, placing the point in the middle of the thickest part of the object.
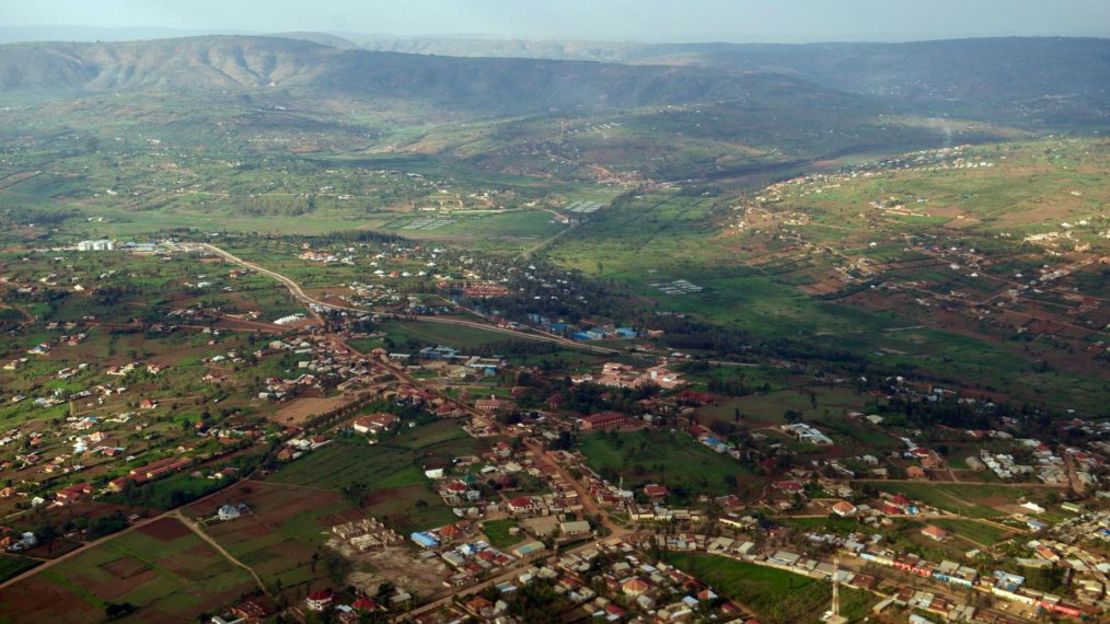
(306, 69)
(1053, 81)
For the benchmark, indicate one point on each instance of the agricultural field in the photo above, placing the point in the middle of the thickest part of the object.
(281, 536)
(13, 565)
(391, 473)
(163, 569)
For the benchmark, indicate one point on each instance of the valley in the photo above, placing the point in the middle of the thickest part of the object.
(297, 330)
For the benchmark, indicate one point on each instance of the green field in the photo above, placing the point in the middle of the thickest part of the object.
(498, 533)
(678, 461)
(424, 334)
(975, 500)
(779, 597)
(12, 565)
(978, 532)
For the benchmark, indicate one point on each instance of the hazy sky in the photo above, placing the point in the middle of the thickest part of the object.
(644, 20)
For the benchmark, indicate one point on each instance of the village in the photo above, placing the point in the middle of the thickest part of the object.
(540, 480)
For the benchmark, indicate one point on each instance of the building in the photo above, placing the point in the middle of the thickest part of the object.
(492, 405)
(602, 421)
(575, 528)
(159, 468)
(230, 512)
(934, 533)
(73, 493)
(320, 600)
(96, 245)
(916, 473)
(375, 423)
(635, 587)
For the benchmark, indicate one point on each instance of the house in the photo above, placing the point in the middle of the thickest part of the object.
(231, 512)
(479, 607)
(844, 509)
(159, 468)
(790, 487)
(916, 473)
(575, 527)
(375, 423)
(320, 600)
(73, 493)
(492, 405)
(635, 587)
(424, 539)
(254, 609)
(521, 505)
(656, 491)
(934, 533)
(1034, 507)
(602, 421)
(366, 604)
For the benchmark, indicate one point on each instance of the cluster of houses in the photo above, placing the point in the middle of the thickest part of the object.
(618, 375)
(323, 367)
(442, 353)
(630, 589)
(1048, 467)
(501, 471)
(469, 559)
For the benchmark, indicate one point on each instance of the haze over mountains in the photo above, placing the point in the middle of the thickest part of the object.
(1022, 81)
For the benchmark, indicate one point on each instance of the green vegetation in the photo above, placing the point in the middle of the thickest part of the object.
(498, 533)
(676, 460)
(13, 565)
(981, 533)
(779, 597)
(971, 499)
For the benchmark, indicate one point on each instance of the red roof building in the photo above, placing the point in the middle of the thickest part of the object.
(320, 600)
(603, 421)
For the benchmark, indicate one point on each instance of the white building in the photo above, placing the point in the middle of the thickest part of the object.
(96, 245)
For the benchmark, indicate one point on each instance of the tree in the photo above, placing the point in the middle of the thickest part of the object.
(114, 610)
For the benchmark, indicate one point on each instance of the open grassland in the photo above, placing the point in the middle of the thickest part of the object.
(779, 597)
(976, 500)
(165, 570)
(498, 533)
(981, 533)
(408, 334)
(676, 460)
